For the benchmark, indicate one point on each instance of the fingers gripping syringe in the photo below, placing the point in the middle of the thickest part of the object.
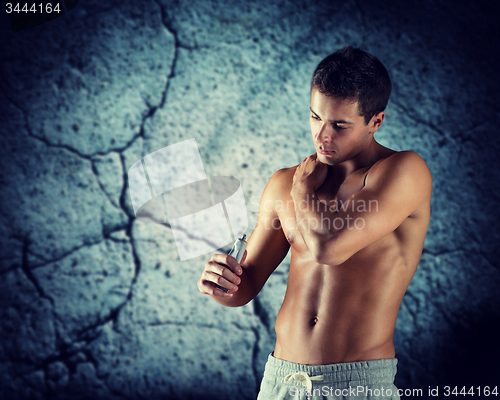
(237, 252)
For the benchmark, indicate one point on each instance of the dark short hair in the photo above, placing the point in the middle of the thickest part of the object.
(351, 73)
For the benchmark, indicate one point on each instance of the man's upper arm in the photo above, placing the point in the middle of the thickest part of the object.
(267, 245)
(400, 186)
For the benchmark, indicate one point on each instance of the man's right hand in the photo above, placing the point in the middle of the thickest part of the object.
(222, 270)
(266, 248)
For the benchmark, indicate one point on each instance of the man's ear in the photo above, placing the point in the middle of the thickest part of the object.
(376, 121)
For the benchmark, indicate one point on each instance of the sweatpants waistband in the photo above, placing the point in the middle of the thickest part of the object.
(369, 372)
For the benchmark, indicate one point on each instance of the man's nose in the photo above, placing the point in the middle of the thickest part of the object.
(324, 133)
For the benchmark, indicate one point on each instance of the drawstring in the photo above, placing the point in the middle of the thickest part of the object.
(303, 377)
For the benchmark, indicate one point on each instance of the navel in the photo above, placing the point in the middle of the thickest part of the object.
(314, 321)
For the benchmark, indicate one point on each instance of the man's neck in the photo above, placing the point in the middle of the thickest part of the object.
(366, 158)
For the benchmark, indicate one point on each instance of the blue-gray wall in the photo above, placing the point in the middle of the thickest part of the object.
(95, 304)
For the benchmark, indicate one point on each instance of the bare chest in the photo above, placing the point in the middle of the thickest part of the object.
(331, 197)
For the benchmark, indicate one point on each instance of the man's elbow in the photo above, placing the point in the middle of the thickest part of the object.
(329, 259)
(235, 301)
(245, 294)
(325, 250)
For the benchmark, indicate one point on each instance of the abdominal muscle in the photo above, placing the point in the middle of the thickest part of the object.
(345, 313)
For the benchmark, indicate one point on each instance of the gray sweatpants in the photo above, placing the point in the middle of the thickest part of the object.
(361, 380)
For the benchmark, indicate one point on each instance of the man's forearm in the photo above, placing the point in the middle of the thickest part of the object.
(242, 296)
(312, 220)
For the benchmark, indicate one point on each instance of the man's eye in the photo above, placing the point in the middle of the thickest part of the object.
(339, 127)
(315, 117)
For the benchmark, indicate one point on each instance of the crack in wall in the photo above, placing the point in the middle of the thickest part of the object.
(260, 313)
(29, 274)
(167, 23)
(198, 325)
(34, 266)
(64, 352)
(74, 150)
(96, 174)
(170, 76)
(41, 139)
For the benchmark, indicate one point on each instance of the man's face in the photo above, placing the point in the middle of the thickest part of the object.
(339, 132)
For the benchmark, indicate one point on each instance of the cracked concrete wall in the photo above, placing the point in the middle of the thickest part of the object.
(95, 304)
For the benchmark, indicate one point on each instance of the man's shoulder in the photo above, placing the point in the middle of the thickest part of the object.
(282, 177)
(402, 162)
(407, 168)
(279, 185)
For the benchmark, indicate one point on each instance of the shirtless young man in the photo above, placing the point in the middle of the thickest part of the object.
(355, 215)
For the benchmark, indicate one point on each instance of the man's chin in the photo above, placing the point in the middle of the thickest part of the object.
(328, 160)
